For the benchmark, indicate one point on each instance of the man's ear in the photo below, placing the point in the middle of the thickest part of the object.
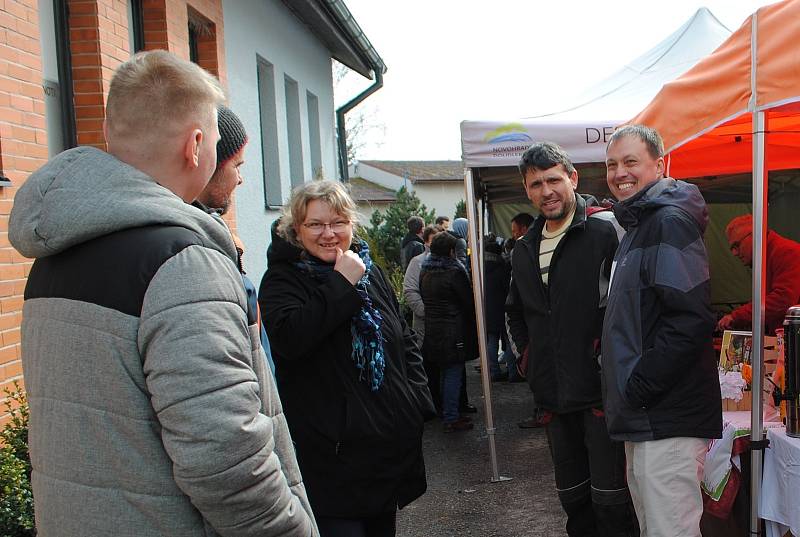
(573, 178)
(191, 148)
(661, 167)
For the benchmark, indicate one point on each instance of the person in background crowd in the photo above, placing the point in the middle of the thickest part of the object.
(443, 222)
(508, 249)
(556, 303)
(135, 295)
(412, 244)
(496, 279)
(519, 227)
(450, 327)
(662, 394)
(782, 274)
(414, 301)
(520, 224)
(349, 369)
(460, 231)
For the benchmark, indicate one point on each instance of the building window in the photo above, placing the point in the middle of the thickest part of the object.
(136, 25)
(57, 77)
(203, 42)
(312, 109)
(294, 135)
(268, 111)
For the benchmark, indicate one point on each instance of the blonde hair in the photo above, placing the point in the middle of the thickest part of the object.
(333, 193)
(155, 94)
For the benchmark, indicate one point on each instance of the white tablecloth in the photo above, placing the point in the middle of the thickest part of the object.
(780, 486)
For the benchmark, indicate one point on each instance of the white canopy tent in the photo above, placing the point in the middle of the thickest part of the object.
(583, 128)
(491, 149)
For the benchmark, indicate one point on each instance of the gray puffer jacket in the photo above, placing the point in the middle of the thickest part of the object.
(152, 410)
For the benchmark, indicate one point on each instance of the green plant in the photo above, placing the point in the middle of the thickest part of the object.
(16, 497)
(461, 210)
(387, 228)
(396, 281)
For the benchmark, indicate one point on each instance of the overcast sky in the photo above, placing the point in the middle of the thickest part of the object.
(451, 60)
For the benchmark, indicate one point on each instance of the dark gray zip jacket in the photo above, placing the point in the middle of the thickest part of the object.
(660, 375)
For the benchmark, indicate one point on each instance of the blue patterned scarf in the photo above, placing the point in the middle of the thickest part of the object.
(365, 327)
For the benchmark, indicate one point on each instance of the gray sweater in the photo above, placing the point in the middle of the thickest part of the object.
(152, 411)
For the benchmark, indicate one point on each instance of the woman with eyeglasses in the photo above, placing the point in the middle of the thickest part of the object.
(349, 372)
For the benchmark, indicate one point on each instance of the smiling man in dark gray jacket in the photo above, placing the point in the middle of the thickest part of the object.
(152, 409)
(662, 395)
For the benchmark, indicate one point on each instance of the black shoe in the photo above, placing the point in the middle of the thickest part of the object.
(468, 409)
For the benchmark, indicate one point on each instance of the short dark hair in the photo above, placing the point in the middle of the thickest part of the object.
(650, 137)
(523, 219)
(428, 231)
(415, 224)
(440, 219)
(443, 244)
(543, 156)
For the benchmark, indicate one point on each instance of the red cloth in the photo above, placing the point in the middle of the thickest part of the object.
(782, 273)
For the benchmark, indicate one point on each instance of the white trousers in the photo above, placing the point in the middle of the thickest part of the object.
(664, 479)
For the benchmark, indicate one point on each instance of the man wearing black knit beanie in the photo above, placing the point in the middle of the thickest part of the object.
(230, 157)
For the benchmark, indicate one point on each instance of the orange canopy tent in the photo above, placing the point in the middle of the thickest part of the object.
(738, 110)
(706, 115)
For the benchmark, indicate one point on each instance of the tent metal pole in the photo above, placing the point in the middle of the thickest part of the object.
(759, 298)
(477, 289)
(760, 178)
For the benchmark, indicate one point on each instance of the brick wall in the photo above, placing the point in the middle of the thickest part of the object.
(98, 32)
(99, 42)
(23, 148)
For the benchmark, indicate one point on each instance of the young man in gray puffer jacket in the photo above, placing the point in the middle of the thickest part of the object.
(152, 409)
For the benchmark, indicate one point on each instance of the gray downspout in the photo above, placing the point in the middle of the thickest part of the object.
(340, 125)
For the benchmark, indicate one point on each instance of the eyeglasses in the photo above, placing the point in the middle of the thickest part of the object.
(316, 228)
(737, 244)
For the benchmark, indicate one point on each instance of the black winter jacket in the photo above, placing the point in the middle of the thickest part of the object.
(496, 280)
(410, 247)
(562, 321)
(451, 336)
(659, 367)
(360, 452)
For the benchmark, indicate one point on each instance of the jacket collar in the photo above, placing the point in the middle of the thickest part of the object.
(534, 234)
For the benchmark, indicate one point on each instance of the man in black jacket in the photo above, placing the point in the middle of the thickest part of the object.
(561, 270)
(412, 244)
(662, 392)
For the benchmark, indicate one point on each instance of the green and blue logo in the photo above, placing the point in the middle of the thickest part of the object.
(510, 132)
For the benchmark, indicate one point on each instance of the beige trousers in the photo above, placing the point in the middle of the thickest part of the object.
(664, 479)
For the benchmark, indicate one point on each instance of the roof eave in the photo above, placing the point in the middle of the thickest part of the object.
(335, 26)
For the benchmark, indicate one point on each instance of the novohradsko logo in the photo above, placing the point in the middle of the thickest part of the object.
(510, 132)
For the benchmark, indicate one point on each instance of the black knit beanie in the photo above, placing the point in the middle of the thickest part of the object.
(232, 135)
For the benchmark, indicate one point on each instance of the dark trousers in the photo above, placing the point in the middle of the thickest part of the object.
(434, 383)
(377, 526)
(590, 476)
(462, 395)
